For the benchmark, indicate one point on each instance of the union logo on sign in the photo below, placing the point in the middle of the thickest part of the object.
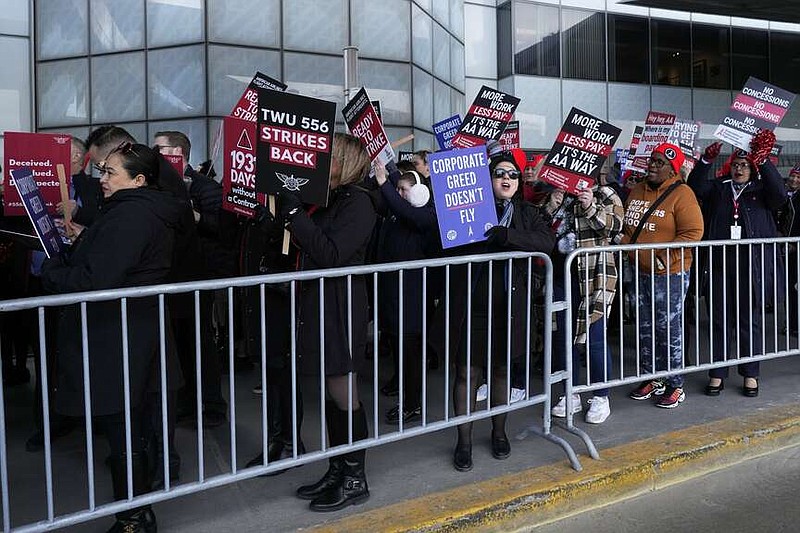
(290, 182)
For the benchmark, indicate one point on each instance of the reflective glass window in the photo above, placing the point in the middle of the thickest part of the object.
(536, 46)
(784, 60)
(750, 50)
(176, 81)
(583, 42)
(61, 29)
(504, 42)
(628, 46)
(670, 52)
(118, 87)
(162, 15)
(381, 29)
(63, 92)
(117, 25)
(230, 69)
(711, 56)
(249, 22)
(315, 25)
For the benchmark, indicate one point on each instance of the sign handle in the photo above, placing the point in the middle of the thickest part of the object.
(286, 235)
(62, 185)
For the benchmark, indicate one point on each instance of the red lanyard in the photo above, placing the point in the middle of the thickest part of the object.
(736, 194)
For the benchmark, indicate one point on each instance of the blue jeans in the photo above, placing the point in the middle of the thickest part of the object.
(598, 370)
(666, 295)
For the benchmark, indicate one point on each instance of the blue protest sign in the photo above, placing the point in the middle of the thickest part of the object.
(446, 130)
(462, 191)
(35, 207)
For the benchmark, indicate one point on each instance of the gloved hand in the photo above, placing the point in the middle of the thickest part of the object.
(761, 146)
(263, 218)
(712, 151)
(497, 235)
(290, 204)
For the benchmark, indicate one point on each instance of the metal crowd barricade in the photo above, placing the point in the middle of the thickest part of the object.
(435, 415)
(703, 347)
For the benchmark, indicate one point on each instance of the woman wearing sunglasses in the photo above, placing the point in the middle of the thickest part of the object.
(520, 228)
(129, 245)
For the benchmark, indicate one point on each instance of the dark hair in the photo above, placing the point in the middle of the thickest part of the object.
(139, 159)
(405, 166)
(500, 157)
(176, 138)
(106, 137)
(423, 154)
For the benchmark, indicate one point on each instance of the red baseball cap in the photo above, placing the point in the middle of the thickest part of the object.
(672, 153)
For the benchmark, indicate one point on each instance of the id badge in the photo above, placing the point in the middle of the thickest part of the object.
(736, 233)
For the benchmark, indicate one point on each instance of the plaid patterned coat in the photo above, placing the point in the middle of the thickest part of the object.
(597, 273)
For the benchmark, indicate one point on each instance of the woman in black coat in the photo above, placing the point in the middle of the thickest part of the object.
(129, 245)
(520, 228)
(329, 237)
(745, 198)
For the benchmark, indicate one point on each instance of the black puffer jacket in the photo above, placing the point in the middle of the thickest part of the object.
(130, 244)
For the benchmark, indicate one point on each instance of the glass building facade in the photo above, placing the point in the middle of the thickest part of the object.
(618, 61)
(71, 65)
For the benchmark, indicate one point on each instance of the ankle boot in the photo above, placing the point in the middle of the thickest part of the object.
(352, 488)
(140, 519)
(336, 464)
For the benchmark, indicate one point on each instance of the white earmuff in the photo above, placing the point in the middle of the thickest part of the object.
(419, 195)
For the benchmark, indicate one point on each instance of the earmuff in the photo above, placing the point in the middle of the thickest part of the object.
(419, 195)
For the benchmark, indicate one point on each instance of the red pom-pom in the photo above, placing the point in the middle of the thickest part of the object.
(761, 146)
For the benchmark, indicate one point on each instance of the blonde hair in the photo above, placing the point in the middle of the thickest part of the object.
(352, 157)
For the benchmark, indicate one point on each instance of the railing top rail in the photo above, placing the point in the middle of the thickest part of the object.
(250, 281)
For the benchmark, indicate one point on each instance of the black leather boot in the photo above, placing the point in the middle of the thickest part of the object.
(141, 519)
(352, 489)
(336, 464)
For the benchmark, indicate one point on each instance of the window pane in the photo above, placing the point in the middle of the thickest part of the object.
(627, 102)
(750, 52)
(675, 100)
(61, 28)
(479, 43)
(504, 47)
(628, 44)
(441, 12)
(63, 92)
(176, 81)
(15, 84)
(536, 48)
(539, 118)
(584, 44)
(590, 96)
(457, 18)
(423, 99)
(457, 104)
(118, 88)
(709, 105)
(389, 83)
(162, 15)
(785, 60)
(194, 129)
(315, 76)
(381, 28)
(670, 49)
(421, 38)
(117, 25)
(317, 25)
(230, 69)
(711, 56)
(457, 63)
(441, 101)
(14, 17)
(253, 22)
(441, 53)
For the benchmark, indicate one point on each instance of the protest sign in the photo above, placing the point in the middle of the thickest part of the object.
(239, 167)
(293, 145)
(775, 152)
(759, 106)
(33, 205)
(376, 104)
(657, 128)
(487, 118)
(176, 162)
(621, 157)
(637, 136)
(405, 156)
(42, 153)
(364, 123)
(446, 130)
(463, 196)
(510, 137)
(247, 107)
(683, 134)
(581, 148)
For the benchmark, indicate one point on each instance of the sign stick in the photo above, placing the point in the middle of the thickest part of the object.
(62, 183)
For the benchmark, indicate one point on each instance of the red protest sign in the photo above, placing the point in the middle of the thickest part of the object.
(486, 119)
(239, 167)
(581, 148)
(247, 106)
(42, 153)
(363, 121)
(657, 129)
(176, 161)
(510, 138)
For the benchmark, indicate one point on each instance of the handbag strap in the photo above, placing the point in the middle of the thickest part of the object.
(652, 208)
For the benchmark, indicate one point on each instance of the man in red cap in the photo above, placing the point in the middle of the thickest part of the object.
(662, 209)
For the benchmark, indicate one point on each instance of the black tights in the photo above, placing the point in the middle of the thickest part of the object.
(114, 428)
(463, 394)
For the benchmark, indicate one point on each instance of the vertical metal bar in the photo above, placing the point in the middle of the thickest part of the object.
(469, 337)
(198, 363)
(126, 385)
(797, 284)
(622, 296)
(669, 324)
(4, 458)
(293, 364)
(401, 349)
(606, 307)
(697, 266)
(87, 406)
(547, 352)
(446, 342)
(488, 339)
(262, 296)
(725, 327)
(710, 295)
(763, 307)
(775, 296)
(786, 253)
(350, 350)
(636, 308)
(231, 388)
(653, 358)
(376, 355)
(162, 352)
(424, 357)
(528, 327)
(322, 370)
(509, 289)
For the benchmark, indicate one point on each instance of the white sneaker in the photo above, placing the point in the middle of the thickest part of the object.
(482, 394)
(599, 409)
(517, 395)
(560, 409)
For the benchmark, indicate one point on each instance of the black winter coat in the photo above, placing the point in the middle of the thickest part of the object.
(130, 244)
(88, 190)
(757, 206)
(528, 232)
(216, 229)
(335, 236)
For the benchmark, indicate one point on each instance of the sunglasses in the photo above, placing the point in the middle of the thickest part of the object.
(499, 173)
(125, 147)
